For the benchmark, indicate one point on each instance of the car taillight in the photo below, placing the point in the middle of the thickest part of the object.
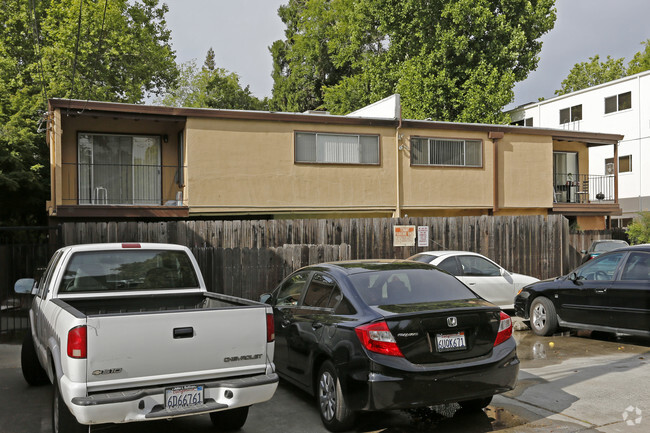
(77, 342)
(270, 328)
(505, 328)
(376, 337)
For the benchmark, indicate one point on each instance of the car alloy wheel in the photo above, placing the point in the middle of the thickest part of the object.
(543, 319)
(334, 412)
(327, 395)
(539, 317)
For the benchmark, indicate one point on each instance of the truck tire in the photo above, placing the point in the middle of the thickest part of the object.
(543, 319)
(229, 420)
(33, 373)
(62, 419)
(334, 412)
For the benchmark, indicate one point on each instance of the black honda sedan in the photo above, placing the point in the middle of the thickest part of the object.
(610, 293)
(380, 335)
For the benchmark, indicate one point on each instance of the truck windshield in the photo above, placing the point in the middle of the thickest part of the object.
(98, 271)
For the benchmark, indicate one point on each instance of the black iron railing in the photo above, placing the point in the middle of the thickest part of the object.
(121, 184)
(583, 188)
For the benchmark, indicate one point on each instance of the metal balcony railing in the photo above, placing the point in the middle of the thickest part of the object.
(583, 188)
(121, 184)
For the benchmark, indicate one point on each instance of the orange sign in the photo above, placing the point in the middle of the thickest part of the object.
(403, 236)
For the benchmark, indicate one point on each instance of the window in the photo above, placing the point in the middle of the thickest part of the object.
(622, 101)
(523, 122)
(291, 290)
(637, 267)
(119, 169)
(322, 292)
(571, 114)
(450, 265)
(336, 148)
(624, 164)
(478, 267)
(601, 268)
(446, 152)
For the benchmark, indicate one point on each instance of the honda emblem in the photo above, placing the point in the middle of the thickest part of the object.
(452, 321)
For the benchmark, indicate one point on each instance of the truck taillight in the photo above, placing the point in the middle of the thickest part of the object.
(77, 342)
(270, 328)
(505, 328)
(132, 245)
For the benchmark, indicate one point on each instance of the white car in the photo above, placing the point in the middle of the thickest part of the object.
(482, 275)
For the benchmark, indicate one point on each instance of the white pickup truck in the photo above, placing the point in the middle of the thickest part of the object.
(128, 332)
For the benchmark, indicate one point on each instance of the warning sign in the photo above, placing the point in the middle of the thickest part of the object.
(403, 236)
(423, 236)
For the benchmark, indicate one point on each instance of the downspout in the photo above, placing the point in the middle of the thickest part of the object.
(398, 210)
(495, 136)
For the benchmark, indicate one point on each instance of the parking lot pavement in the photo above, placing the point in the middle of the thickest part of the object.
(567, 383)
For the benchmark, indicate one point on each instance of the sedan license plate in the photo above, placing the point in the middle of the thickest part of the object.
(183, 396)
(449, 342)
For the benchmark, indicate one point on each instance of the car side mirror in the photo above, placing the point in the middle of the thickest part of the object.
(265, 298)
(583, 251)
(573, 277)
(24, 286)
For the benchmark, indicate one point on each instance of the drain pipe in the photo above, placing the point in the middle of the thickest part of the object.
(398, 147)
(495, 136)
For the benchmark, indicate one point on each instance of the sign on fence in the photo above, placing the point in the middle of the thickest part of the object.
(423, 236)
(403, 236)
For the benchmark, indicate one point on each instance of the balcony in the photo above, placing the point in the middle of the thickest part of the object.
(121, 190)
(585, 194)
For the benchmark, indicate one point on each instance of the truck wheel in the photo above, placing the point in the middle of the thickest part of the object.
(62, 419)
(33, 373)
(475, 405)
(229, 420)
(543, 319)
(334, 412)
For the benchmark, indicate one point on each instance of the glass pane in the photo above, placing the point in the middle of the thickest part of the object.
(478, 267)
(85, 168)
(473, 153)
(601, 268)
(112, 174)
(343, 149)
(529, 121)
(576, 113)
(447, 152)
(305, 147)
(450, 265)
(625, 101)
(419, 151)
(610, 104)
(291, 290)
(146, 170)
(637, 267)
(564, 116)
(625, 164)
(318, 293)
(369, 149)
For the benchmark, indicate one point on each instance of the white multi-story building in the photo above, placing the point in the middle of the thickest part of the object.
(622, 107)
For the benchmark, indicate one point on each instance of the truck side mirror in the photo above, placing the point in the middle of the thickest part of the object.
(24, 286)
(265, 298)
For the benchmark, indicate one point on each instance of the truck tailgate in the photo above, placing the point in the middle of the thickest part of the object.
(134, 350)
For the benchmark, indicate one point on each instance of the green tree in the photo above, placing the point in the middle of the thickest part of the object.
(641, 60)
(455, 60)
(639, 231)
(116, 50)
(591, 73)
(209, 87)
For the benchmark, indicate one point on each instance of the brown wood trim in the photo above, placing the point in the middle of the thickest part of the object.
(93, 211)
(593, 209)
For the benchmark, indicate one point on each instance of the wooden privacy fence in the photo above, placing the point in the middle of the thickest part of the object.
(532, 245)
(250, 272)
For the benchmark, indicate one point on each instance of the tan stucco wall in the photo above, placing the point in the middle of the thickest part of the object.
(239, 166)
(591, 222)
(66, 191)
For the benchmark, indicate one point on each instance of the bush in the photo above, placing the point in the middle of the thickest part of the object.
(639, 231)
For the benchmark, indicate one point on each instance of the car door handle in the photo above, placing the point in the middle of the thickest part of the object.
(471, 284)
(601, 291)
(284, 323)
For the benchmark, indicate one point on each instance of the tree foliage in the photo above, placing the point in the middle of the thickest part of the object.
(209, 87)
(639, 231)
(454, 60)
(592, 73)
(116, 50)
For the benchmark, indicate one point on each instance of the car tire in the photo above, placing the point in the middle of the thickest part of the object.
(476, 404)
(543, 319)
(334, 412)
(62, 419)
(229, 420)
(33, 373)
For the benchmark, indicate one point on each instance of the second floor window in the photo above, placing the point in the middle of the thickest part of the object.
(619, 102)
(571, 114)
(336, 148)
(624, 164)
(523, 122)
(444, 151)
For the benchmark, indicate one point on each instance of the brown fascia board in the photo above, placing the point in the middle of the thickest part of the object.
(134, 110)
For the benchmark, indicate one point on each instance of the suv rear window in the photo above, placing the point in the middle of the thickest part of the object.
(409, 286)
(98, 271)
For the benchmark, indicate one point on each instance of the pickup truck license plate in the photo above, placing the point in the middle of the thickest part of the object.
(183, 396)
(449, 342)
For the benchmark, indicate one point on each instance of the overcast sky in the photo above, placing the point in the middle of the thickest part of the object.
(240, 32)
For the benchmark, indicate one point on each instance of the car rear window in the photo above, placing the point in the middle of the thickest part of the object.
(409, 286)
(98, 271)
(424, 258)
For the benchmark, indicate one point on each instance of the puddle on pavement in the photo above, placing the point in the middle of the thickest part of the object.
(441, 419)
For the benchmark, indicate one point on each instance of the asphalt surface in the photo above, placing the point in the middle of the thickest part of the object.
(568, 383)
